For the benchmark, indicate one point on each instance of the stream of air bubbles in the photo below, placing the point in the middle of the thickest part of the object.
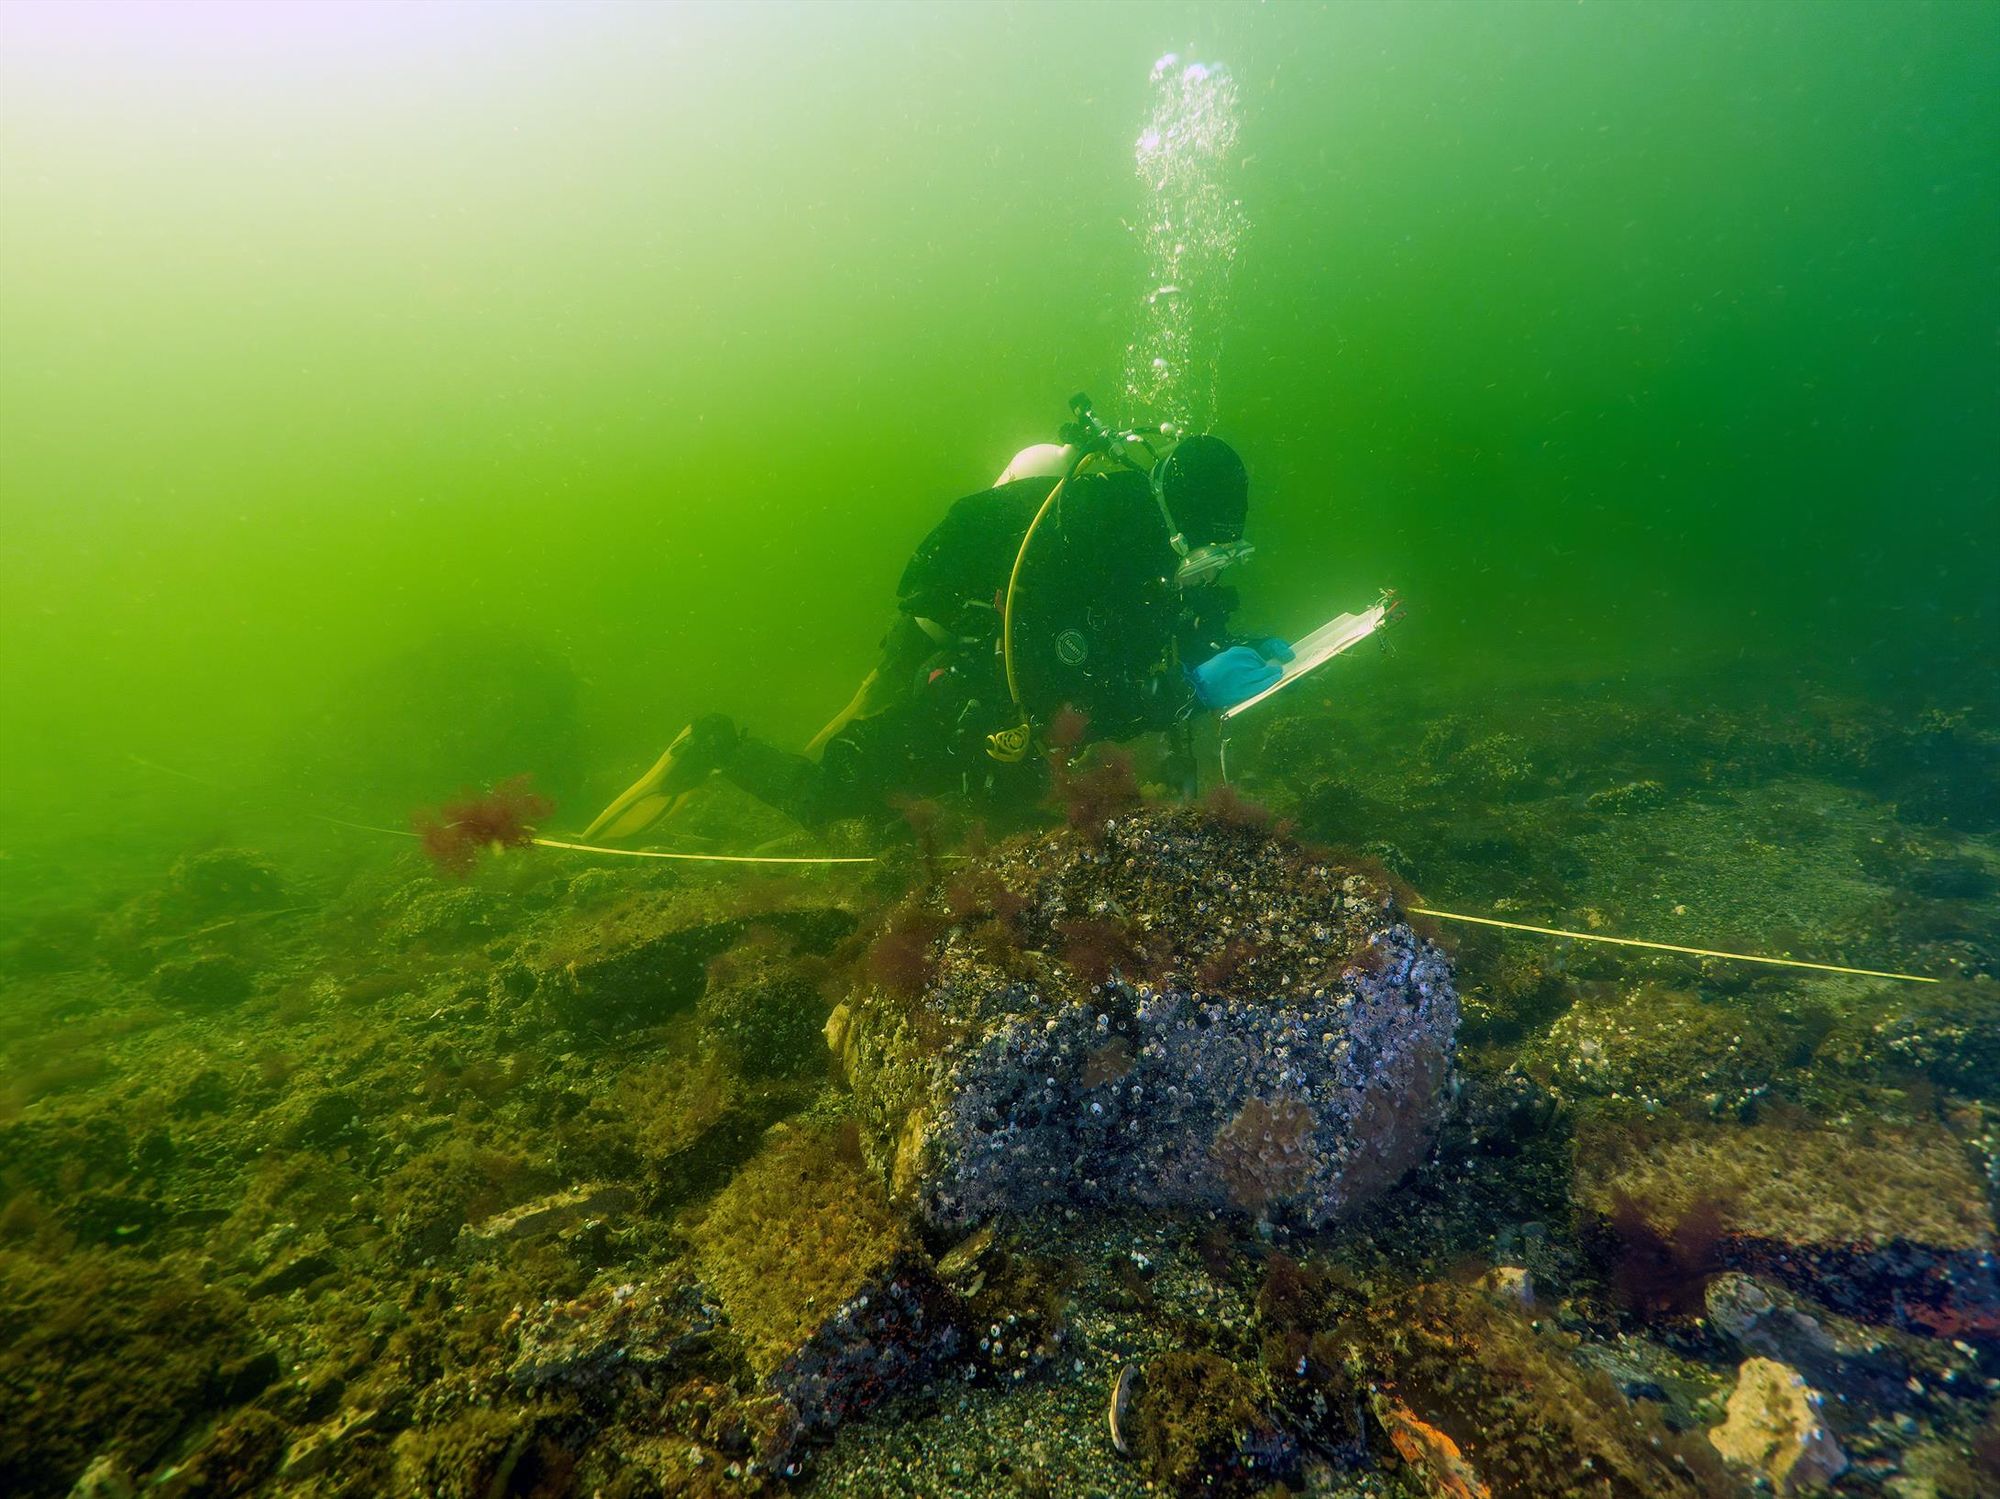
(1190, 227)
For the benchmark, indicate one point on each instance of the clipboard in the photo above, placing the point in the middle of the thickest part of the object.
(1341, 633)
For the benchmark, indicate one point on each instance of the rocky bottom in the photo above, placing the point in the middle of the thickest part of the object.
(546, 1182)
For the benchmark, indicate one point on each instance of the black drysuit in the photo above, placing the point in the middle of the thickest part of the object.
(1099, 626)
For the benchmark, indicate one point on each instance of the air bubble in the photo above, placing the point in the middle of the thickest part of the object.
(1192, 226)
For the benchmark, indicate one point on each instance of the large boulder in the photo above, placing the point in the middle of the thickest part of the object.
(1178, 1011)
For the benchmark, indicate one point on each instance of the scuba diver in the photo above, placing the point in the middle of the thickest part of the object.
(1084, 579)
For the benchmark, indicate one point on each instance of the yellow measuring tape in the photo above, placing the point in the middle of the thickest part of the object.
(656, 853)
(1699, 952)
(628, 853)
(1432, 911)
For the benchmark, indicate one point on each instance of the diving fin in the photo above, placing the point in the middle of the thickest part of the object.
(696, 753)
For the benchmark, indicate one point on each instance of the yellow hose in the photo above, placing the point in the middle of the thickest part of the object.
(1010, 745)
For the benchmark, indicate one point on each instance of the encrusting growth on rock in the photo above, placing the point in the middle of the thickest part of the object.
(1113, 1059)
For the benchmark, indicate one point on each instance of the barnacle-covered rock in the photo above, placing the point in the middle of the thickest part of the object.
(1947, 1034)
(1657, 1046)
(761, 1014)
(1181, 1012)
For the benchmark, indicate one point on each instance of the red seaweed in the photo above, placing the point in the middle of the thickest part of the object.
(1664, 1273)
(900, 959)
(457, 833)
(1067, 732)
(1108, 787)
(923, 814)
(1226, 805)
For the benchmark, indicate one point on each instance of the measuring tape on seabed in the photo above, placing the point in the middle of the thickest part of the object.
(660, 853)
(1431, 911)
(582, 848)
(629, 853)
(1699, 952)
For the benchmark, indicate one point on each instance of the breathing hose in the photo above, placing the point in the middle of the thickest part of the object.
(1010, 745)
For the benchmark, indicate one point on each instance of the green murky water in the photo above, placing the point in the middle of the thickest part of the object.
(1618, 339)
(397, 398)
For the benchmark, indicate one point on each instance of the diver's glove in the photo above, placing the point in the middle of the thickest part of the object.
(1273, 649)
(1228, 677)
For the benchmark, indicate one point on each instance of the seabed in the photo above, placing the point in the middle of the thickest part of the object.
(545, 1181)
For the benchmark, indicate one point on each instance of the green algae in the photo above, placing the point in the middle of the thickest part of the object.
(1870, 1186)
(426, 1201)
(487, 1454)
(798, 1232)
(103, 1351)
(1199, 1424)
